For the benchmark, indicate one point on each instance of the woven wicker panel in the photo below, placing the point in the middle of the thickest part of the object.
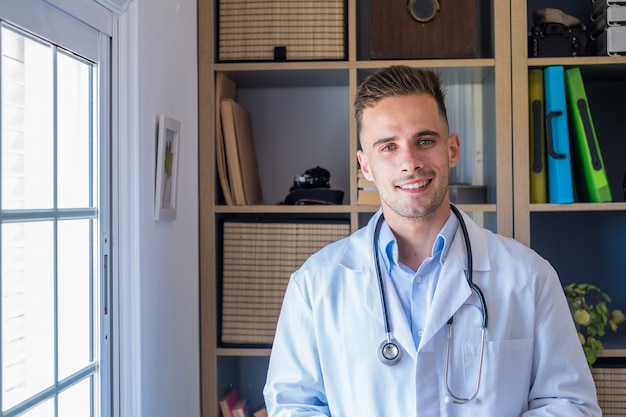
(258, 260)
(249, 30)
(611, 387)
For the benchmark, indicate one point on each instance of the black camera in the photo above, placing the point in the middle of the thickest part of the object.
(555, 39)
(313, 178)
(313, 187)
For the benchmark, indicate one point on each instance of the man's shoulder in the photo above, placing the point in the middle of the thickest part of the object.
(340, 248)
(507, 245)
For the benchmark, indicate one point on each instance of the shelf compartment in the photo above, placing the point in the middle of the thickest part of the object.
(586, 246)
(578, 207)
(256, 257)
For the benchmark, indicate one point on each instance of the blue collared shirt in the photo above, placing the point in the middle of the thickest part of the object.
(416, 288)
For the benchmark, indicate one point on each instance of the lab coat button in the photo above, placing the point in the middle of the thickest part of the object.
(418, 280)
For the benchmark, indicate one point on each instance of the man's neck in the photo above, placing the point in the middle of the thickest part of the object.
(416, 236)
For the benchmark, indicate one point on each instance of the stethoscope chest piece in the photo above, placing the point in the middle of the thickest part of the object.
(389, 352)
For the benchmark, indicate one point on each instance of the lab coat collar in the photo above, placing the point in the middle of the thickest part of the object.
(451, 292)
(361, 243)
(359, 255)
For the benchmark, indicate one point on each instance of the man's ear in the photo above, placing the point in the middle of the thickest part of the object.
(454, 150)
(365, 165)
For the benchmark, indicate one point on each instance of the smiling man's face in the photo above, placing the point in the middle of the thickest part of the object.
(408, 152)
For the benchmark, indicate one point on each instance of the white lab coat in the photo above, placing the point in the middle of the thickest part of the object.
(324, 359)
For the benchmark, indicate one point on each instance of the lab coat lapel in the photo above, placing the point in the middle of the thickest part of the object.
(398, 322)
(452, 290)
(360, 260)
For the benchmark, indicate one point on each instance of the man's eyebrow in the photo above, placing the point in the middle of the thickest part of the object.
(382, 141)
(426, 133)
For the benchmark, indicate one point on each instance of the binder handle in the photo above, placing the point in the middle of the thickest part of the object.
(537, 136)
(591, 139)
(549, 136)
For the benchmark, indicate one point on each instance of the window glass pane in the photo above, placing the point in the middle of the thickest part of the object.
(74, 125)
(74, 295)
(49, 258)
(27, 111)
(27, 310)
(77, 400)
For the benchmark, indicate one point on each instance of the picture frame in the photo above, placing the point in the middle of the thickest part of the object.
(166, 169)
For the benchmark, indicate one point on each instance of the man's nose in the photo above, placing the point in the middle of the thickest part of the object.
(410, 159)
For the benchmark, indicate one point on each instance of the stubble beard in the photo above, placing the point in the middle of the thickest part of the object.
(417, 207)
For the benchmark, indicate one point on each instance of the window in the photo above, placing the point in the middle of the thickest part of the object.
(54, 301)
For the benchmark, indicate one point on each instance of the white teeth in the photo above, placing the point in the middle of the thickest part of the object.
(414, 186)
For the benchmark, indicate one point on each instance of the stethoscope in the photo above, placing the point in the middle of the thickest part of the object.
(390, 352)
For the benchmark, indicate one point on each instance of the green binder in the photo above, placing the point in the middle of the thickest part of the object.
(588, 165)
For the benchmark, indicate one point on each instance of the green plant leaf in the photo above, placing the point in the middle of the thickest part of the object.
(618, 316)
(591, 318)
(590, 355)
(582, 317)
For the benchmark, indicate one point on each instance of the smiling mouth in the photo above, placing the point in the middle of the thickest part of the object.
(415, 185)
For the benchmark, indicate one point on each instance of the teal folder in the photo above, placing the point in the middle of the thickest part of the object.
(591, 181)
(537, 143)
(560, 177)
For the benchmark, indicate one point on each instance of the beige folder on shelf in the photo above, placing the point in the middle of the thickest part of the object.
(243, 170)
(224, 88)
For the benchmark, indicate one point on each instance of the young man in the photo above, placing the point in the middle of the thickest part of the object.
(422, 312)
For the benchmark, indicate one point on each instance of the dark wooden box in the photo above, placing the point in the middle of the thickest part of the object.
(460, 29)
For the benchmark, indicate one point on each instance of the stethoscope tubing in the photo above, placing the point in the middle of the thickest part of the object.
(391, 345)
(470, 266)
(381, 286)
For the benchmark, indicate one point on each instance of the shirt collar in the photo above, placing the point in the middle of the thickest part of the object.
(440, 249)
(445, 237)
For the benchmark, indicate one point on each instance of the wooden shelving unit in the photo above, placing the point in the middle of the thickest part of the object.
(221, 366)
(570, 235)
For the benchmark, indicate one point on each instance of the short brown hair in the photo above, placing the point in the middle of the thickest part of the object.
(398, 80)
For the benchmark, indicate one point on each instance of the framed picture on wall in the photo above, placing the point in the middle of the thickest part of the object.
(166, 169)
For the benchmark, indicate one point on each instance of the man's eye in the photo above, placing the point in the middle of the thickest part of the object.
(387, 148)
(426, 141)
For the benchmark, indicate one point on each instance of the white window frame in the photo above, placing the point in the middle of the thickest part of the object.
(121, 24)
(103, 21)
(126, 215)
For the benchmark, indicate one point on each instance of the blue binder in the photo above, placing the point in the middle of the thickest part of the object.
(560, 181)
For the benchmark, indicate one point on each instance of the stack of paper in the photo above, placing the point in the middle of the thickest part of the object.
(367, 191)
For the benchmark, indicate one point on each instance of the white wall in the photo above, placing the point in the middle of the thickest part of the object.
(168, 251)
